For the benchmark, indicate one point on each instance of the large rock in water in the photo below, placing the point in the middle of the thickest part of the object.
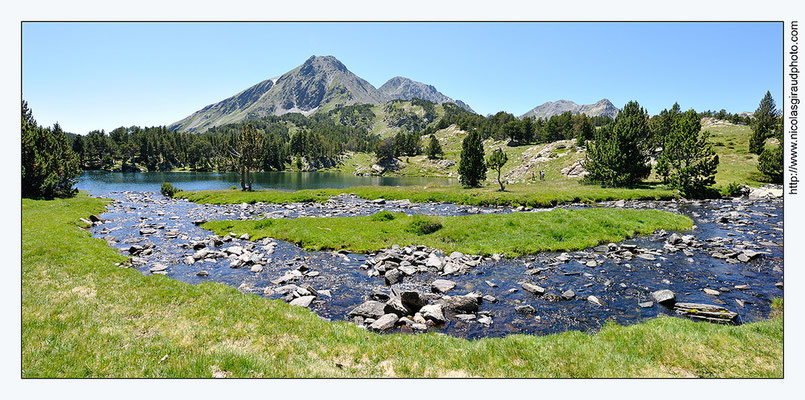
(664, 297)
(412, 300)
(369, 309)
(433, 312)
(467, 304)
(385, 322)
(705, 312)
(442, 285)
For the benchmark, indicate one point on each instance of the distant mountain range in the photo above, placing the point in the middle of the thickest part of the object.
(320, 84)
(602, 108)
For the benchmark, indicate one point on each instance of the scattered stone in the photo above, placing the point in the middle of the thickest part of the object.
(711, 292)
(432, 312)
(533, 289)
(158, 267)
(596, 301)
(646, 304)
(303, 301)
(393, 276)
(442, 285)
(369, 309)
(202, 273)
(468, 304)
(384, 323)
(525, 309)
(568, 294)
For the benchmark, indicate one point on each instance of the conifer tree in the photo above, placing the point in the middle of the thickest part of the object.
(471, 166)
(50, 168)
(765, 120)
(687, 161)
(618, 156)
(434, 148)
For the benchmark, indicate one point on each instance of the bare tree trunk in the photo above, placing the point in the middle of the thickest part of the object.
(500, 182)
(248, 180)
(243, 178)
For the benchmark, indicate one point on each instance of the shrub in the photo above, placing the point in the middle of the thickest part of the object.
(734, 189)
(233, 187)
(423, 225)
(169, 190)
(382, 216)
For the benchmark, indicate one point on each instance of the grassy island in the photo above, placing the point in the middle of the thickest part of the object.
(514, 234)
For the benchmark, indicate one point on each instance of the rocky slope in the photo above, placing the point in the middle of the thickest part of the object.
(602, 108)
(320, 84)
(400, 88)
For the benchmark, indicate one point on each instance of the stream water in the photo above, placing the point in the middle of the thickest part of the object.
(723, 225)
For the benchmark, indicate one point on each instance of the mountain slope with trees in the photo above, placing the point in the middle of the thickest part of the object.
(321, 84)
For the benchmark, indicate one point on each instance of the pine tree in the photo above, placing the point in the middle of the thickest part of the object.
(765, 119)
(770, 162)
(50, 168)
(687, 161)
(471, 168)
(618, 156)
(496, 162)
(434, 148)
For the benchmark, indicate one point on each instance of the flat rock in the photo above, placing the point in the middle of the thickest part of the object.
(664, 297)
(442, 285)
(711, 292)
(532, 288)
(384, 323)
(369, 309)
(706, 312)
(466, 304)
(303, 301)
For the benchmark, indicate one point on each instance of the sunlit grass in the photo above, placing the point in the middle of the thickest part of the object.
(509, 234)
(82, 316)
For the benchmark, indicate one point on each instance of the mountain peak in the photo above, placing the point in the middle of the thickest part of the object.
(402, 88)
(602, 107)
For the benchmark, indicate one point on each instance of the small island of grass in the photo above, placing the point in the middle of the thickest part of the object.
(509, 234)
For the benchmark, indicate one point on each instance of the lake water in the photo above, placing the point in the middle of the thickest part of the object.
(101, 182)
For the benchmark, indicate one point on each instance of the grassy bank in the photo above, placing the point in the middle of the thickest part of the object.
(514, 234)
(84, 317)
(541, 194)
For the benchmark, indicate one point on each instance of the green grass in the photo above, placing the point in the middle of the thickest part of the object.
(736, 163)
(514, 234)
(539, 194)
(84, 317)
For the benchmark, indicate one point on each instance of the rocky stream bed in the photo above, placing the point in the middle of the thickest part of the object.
(727, 269)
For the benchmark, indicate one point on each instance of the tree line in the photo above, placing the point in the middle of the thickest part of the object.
(159, 148)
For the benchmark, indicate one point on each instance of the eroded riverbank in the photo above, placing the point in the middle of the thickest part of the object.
(343, 281)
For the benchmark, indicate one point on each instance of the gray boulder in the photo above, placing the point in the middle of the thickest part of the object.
(369, 309)
(442, 285)
(384, 323)
(664, 297)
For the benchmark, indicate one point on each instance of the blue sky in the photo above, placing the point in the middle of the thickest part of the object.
(103, 75)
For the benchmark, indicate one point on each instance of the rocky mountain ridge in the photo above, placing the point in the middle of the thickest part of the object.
(320, 84)
(603, 107)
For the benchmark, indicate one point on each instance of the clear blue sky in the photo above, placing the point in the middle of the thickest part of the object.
(104, 75)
